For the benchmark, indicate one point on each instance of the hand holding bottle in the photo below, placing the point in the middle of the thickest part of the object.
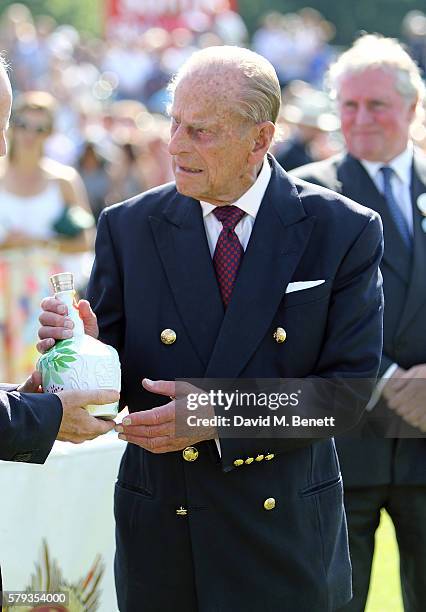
(77, 360)
(56, 325)
(32, 384)
(77, 424)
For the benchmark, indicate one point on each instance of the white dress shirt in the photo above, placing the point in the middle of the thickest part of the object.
(249, 202)
(401, 183)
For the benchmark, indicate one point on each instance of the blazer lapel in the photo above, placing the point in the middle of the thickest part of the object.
(278, 240)
(417, 288)
(182, 244)
(358, 186)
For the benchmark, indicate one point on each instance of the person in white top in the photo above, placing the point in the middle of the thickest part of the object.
(45, 224)
(379, 94)
(34, 191)
(30, 421)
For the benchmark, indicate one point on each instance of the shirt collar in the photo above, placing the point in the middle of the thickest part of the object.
(250, 201)
(401, 165)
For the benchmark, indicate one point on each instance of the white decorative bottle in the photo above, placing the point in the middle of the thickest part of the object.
(80, 362)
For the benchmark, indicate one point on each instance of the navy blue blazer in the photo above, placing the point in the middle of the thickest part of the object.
(153, 271)
(384, 461)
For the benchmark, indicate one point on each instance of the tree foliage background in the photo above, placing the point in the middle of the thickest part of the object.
(349, 16)
(84, 15)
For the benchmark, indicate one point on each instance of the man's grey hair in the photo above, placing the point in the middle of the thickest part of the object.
(259, 94)
(374, 51)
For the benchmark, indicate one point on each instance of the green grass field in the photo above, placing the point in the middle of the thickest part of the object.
(385, 591)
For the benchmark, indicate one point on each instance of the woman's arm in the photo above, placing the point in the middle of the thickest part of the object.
(74, 194)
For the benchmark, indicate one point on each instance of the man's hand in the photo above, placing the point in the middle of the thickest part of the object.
(55, 325)
(154, 429)
(32, 384)
(406, 395)
(77, 424)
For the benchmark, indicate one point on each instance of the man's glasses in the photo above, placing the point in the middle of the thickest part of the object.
(23, 124)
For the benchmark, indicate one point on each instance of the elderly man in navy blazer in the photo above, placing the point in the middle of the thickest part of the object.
(199, 278)
(379, 92)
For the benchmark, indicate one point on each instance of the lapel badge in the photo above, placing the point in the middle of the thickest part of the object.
(421, 203)
(168, 336)
(424, 224)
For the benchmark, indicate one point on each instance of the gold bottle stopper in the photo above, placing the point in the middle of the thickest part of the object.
(62, 282)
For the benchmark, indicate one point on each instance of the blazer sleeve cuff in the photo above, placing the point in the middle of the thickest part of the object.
(34, 421)
(378, 390)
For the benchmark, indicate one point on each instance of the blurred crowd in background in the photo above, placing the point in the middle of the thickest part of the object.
(89, 128)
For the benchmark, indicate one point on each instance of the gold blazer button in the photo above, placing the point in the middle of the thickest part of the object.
(168, 336)
(190, 453)
(238, 462)
(280, 335)
(269, 504)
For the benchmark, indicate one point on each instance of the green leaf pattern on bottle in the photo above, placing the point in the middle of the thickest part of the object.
(57, 360)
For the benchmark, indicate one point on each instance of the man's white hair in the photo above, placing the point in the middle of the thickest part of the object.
(374, 51)
(259, 94)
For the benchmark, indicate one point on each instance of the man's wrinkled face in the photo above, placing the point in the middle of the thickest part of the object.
(209, 143)
(5, 108)
(375, 117)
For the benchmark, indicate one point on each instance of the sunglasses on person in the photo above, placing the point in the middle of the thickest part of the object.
(24, 124)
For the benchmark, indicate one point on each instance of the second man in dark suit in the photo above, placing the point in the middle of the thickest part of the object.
(379, 89)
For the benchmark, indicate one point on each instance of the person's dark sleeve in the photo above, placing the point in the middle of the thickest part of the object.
(29, 424)
(385, 364)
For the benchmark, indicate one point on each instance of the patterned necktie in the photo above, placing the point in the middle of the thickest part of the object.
(228, 252)
(394, 208)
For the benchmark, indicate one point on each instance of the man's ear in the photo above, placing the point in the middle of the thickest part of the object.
(263, 135)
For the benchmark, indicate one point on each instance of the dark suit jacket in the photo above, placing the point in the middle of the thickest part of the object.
(29, 424)
(377, 461)
(292, 154)
(153, 271)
